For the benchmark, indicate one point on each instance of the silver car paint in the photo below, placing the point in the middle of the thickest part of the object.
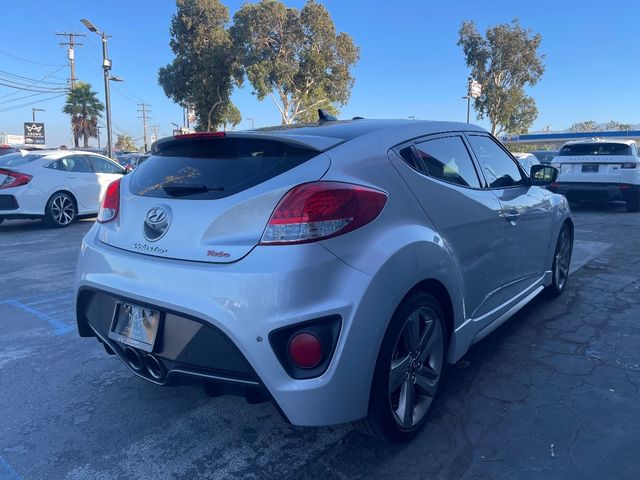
(229, 226)
(362, 276)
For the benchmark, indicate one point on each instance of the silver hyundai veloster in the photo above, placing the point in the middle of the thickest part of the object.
(332, 268)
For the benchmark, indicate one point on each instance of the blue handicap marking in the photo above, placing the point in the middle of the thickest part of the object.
(59, 328)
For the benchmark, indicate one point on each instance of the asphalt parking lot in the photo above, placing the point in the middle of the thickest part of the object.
(552, 394)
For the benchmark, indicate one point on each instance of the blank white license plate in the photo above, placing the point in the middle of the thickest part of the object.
(135, 326)
(590, 167)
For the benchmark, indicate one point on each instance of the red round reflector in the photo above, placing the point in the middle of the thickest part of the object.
(305, 350)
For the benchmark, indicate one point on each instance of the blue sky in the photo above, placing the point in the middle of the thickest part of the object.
(409, 63)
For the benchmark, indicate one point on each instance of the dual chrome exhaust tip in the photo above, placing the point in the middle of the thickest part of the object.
(144, 363)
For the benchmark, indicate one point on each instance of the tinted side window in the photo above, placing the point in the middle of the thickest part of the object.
(447, 159)
(74, 164)
(100, 165)
(409, 156)
(498, 167)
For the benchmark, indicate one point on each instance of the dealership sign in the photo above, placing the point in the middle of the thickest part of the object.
(34, 133)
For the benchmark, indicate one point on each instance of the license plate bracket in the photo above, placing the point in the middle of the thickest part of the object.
(135, 325)
(590, 168)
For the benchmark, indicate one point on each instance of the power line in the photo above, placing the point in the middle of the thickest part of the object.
(41, 89)
(34, 82)
(17, 107)
(30, 61)
(19, 99)
(20, 77)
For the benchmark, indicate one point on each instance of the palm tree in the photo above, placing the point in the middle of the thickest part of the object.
(84, 107)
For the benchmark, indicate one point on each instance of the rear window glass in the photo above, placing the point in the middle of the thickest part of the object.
(17, 159)
(595, 149)
(205, 169)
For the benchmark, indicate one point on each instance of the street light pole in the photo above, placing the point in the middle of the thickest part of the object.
(474, 90)
(106, 67)
(252, 120)
(468, 98)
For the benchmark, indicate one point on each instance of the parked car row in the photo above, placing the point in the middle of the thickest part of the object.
(55, 185)
(434, 229)
(131, 160)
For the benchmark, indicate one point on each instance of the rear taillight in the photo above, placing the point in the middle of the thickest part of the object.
(110, 205)
(321, 210)
(14, 179)
(629, 165)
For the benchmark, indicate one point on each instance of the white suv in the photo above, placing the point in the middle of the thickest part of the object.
(599, 170)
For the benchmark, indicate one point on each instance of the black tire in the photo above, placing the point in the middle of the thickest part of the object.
(61, 210)
(561, 262)
(416, 373)
(633, 204)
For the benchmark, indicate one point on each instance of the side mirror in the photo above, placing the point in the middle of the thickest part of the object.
(543, 174)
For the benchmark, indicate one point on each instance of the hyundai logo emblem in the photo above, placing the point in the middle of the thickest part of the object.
(156, 223)
(156, 215)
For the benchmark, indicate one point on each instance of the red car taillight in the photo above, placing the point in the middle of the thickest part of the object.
(110, 205)
(14, 179)
(321, 210)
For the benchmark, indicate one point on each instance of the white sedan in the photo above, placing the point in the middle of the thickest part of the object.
(57, 185)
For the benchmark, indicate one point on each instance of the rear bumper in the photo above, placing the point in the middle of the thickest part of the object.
(595, 191)
(21, 202)
(235, 307)
(10, 208)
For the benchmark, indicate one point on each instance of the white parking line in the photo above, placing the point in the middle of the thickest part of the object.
(584, 251)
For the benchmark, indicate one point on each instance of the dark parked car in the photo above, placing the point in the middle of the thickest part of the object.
(545, 156)
(4, 149)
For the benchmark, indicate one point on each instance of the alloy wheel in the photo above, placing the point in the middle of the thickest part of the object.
(416, 367)
(563, 259)
(62, 210)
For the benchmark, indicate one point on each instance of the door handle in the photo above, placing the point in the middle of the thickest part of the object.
(512, 216)
(70, 176)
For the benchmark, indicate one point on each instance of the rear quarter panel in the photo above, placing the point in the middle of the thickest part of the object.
(400, 248)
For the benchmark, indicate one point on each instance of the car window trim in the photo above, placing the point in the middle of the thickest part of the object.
(90, 156)
(527, 181)
(435, 136)
(77, 155)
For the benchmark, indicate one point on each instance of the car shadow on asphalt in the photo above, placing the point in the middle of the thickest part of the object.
(33, 225)
(598, 207)
(454, 430)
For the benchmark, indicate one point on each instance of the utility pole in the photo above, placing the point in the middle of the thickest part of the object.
(99, 128)
(155, 132)
(71, 53)
(145, 116)
(33, 113)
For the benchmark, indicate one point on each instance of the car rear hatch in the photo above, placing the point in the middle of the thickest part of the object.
(595, 162)
(208, 197)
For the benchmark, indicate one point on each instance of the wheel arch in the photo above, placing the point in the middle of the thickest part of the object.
(440, 292)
